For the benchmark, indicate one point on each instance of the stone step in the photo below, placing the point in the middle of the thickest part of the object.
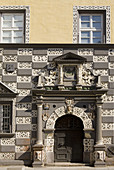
(67, 164)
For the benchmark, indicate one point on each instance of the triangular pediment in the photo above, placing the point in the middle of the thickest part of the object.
(5, 90)
(69, 57)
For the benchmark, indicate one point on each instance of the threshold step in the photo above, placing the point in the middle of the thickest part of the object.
(67, 164)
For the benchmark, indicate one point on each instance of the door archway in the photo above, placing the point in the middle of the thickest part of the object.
(68, 139)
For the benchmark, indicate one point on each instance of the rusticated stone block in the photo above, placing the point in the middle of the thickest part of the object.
(25, 72)
(22, 141)
(10, 78)
(25, 58)
(7, 148)
(23, 127)
(24, 85)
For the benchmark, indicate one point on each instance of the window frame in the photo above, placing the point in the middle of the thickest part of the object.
(91, 29)
(12, 29)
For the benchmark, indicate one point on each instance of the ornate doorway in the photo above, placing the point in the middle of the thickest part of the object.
(68, 145)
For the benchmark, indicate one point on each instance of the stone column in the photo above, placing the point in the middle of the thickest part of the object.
(38, 147)
(79, 77)
(99, 147)
(60, 83)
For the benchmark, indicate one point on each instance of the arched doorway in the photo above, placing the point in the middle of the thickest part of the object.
(68, 145)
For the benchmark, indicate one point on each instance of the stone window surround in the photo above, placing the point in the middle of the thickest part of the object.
(76, 9)
(27, 17)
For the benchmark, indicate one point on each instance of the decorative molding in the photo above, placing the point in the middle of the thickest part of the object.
(12, 86)
(87, 8)
(88, 65)
(79, 112)
(40, 58)
(27, 16)
(7, 141)
(25, 51)
(7, 156)
(111, 52)
(23, 134)
(24, 106)
(10, 58)
(85, 51)
(107, 98)
(100, 58)
(107, 126)
(24, 65)
(54, 51)
(34, 127)
(1, 51)
(104, 85)
(23, 120)
(88, 145)
(99, 155)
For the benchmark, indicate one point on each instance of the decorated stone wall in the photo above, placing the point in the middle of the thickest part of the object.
(19, 71)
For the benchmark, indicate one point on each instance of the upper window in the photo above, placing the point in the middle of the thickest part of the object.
(91, 28)
(12, 28)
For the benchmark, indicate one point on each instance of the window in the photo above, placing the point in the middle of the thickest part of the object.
(12, 28)
(5, 118)
(91, 28)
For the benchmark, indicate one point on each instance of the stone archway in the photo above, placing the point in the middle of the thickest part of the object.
(79, 112)
(50, 128)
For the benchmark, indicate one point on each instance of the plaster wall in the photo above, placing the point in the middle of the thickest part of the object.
(52, 21)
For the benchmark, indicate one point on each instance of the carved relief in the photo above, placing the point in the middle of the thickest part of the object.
(14, 73)
(25, 51)
(111, 78)
(7, 141)
(107, 98)
(76, 111)
(24, 106)
(24, 65)
(23, 134)
(111, 65)
(100, 58)
(103, 72)
(12, 86)
(99, 155)
(107, 140)
(104, 85)
(111, 52)
(54, 51)
(34, 113)
(9, 156)
(85, 51)
(107, 126)
(88, 145)
(69, 105)
(22, 149)
(23, 78)
(23, 92)
(87, 77)
(107, 112)
(51, 78)
(10, 58)
(23, 120)
(40, 58)
(88, 65)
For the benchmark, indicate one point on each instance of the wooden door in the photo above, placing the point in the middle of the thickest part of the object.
(68, 145)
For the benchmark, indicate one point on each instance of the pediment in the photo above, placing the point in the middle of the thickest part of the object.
(5, 90)
(69, 58)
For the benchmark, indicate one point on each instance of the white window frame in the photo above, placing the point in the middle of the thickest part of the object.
(12, 29)
(91, 29)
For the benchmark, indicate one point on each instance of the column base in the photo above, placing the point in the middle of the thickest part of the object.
(61, 87)
(38, 155)
(99, 156)
(79, 87)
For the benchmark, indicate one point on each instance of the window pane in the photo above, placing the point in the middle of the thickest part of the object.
(96, 34)
(7, 23)
(18, 24)
(85, 40)
(96, 18)
(85, 18)
(6, 40)
(85, 24)
(96, 40)
(18, 33)
(85, 34)
(18, 40)
(97, 25)
(6, 33)
(18, 17)
(7, 17)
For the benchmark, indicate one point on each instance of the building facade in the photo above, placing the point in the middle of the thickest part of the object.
(56, 98)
